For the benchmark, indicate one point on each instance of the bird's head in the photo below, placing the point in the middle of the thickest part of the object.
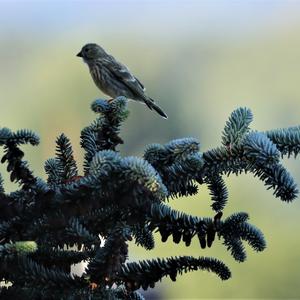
(91, 51)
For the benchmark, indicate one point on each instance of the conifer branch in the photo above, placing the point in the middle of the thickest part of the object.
(120, 199)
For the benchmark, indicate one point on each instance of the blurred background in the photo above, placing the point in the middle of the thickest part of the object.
(200, 60)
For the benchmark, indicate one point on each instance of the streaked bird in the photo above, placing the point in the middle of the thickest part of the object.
(114, 78)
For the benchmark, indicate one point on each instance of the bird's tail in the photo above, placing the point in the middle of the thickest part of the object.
(152, 105)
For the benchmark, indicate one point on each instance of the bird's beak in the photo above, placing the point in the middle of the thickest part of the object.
(79, 54)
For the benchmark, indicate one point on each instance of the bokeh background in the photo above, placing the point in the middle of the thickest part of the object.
(200, 60)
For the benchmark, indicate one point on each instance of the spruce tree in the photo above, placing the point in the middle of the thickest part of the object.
(47, 226)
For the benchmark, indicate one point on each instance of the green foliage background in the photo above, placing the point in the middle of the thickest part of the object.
(200, 60)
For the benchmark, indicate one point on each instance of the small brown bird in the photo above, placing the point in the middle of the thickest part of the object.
(113, 78)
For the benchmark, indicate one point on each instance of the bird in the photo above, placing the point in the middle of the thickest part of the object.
(113, 78)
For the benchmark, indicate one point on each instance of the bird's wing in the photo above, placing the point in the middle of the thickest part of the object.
(123, 74)
(142, 86)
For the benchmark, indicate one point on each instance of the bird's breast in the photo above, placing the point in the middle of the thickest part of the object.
(102, 80)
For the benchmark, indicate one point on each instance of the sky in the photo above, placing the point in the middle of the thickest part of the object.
(144, 16)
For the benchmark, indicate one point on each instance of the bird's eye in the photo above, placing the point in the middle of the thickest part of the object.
(86, 50)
